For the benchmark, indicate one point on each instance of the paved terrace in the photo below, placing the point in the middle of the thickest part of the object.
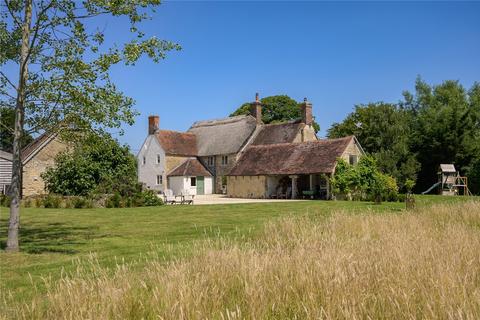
(223, 199)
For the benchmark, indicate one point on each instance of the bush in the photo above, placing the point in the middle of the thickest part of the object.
(5, 200)
(150, 198)
(363, 181)
(81, 202)
(115, 201)
(52, 201)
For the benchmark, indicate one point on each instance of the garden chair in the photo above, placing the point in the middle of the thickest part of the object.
(187, 197)
(168, 197)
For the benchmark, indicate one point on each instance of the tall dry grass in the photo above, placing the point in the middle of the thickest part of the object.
(414, 265)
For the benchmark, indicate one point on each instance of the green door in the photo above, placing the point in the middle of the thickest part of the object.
(200, 185)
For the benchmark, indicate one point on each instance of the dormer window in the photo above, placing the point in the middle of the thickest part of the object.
(158, 159)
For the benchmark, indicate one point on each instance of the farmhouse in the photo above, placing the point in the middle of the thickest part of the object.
(242, 157)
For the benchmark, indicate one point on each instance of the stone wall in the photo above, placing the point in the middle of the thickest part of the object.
(352, 149)
(219, 170)
(247, 186)
(32, 181)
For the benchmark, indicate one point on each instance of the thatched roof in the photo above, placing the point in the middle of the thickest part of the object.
(278, 133)
(222, 136)
(189, 168)
(177, 143)
(291, 158)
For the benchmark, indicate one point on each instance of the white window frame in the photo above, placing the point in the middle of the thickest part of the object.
(144, 160)
(159, 158)
(193, 179)
(159, 179)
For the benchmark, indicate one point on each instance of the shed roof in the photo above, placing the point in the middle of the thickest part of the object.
(222, 136)
(291, 158)
(450, 168)
(278, 133)
(36, 145)
(6, 155)
(188, 168)
(177, 143)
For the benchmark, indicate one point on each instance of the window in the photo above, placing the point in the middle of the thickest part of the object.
(224, 160)
(144, 160)
(158, 158)
(159, 179)
(211, 161)
(353, 159)
(193, 181)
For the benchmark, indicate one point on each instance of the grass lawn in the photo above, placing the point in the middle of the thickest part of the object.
(51, 239)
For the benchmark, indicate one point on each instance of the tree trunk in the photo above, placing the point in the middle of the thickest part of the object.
(16, 187)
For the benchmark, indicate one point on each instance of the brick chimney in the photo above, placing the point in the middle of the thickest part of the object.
(256, 109)
(306, 108)
(153, 124)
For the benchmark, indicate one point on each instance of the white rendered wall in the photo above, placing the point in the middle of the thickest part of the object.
(147, 173)
(208, 185)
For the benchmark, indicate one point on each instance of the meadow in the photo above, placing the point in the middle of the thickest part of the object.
(311, 259)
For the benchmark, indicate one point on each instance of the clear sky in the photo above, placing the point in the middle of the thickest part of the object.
(335, 54)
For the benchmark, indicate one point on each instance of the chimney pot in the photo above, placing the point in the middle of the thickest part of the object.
(153, 124)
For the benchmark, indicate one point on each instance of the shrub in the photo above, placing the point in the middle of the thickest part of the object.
(5, 200)
(52, 201)
(115, 201)
(150, 198)
(81, 202)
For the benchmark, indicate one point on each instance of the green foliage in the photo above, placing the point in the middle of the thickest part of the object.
(52, 201)
(276, 109)
(70, 60)
(98, 164)
(384, 131)
(145, 198)
(7, 122)
(409, 140)
(409, 184)
(363, 181)
(5, 200)
(446, 125)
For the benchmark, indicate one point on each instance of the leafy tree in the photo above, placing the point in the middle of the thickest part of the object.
(7, 122)
(384, 131)
(445, 122)
(60, 64)
(276, 109)
(98, 163)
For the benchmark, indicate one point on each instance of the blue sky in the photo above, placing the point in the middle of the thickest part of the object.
(336, 54)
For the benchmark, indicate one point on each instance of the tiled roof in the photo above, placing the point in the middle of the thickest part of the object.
(291, 158)
(278, 133)
(35, 145)
(223, 136)
(190, 167)
(177, 143)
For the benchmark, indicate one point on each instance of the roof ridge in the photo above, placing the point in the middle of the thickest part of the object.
(181, 132)
(214, 122)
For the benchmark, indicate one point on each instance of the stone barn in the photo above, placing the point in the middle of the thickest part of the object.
(290, 170)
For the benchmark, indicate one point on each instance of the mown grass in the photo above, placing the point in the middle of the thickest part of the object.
(52, 239)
